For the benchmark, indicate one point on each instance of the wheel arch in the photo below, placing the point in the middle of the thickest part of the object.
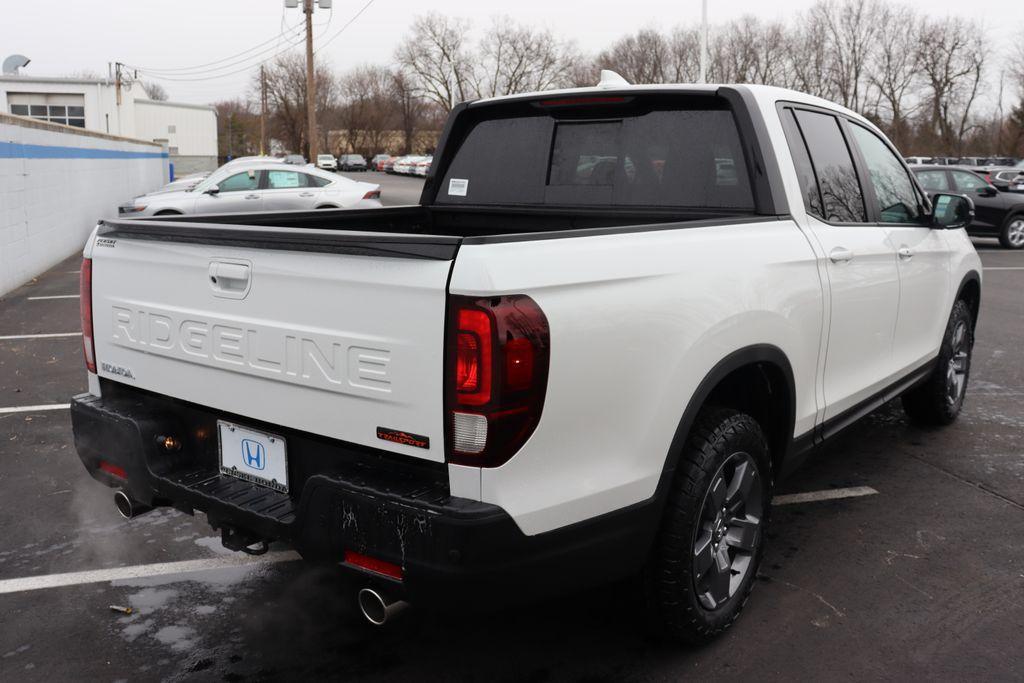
(757, 380)
(970, 291)
(168, 212)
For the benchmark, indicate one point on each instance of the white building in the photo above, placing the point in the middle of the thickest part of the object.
(188, 131)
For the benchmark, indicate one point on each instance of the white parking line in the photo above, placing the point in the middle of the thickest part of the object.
(140, 571)
(56, 296)
(35, 409)
(12, 337)
(830, 494)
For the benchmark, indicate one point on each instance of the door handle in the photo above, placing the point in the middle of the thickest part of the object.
(252, 196)
(230, 279)
(840, 255)
(306, 194)
(905, 253)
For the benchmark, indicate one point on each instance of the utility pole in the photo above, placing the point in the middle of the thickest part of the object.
(310, 81)
(307, 8)
(263, 110)
(703, 42)
(117, 81)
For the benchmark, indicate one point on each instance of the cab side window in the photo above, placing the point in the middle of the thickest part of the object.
(802, 163)
(897, 199)
(841, 194)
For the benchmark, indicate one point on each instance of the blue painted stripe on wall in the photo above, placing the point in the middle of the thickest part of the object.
(17, 150)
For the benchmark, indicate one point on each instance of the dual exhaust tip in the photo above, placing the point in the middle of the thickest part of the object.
(377, 607)
(128, 506)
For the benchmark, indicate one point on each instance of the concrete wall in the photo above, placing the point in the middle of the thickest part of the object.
(55, 182)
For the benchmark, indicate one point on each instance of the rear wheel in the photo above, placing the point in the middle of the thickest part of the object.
(1012, 235)
(938, 401)
(712, 536)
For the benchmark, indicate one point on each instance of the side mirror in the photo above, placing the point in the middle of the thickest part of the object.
(987, 191)
(214, 189)
(951, 211)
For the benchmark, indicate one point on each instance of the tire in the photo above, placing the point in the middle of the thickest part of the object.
(1012, 234)
(711, 539)
(939, 399)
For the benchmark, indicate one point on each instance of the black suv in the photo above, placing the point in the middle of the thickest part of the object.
(996, 214)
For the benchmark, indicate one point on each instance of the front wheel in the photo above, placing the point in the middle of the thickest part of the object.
(1012, 235)
(712, 535)
(939, 399)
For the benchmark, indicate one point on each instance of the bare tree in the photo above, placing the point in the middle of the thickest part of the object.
(851, 27)
(952, 58)
(238, 129)
(893, 67)
(809, 51)
(436, 58)
(517, 58)
(749, 51)
(286, 92)
(154, 91)
(369, 111)
(683, 55)
(639, 58)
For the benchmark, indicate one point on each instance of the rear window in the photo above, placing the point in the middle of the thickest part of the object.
(688, 156)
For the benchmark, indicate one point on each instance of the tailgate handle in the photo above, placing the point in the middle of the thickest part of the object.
(230, 279)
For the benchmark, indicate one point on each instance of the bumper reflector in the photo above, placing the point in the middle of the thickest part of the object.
(111, 468)
(373, 564)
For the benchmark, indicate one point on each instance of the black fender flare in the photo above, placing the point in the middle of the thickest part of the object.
(748, 355)
(974, 277)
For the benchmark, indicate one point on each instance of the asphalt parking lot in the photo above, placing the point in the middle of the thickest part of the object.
(924, 577)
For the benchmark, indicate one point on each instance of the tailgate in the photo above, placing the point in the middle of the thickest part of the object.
(337, 334)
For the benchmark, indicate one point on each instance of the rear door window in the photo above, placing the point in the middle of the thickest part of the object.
(841, 195)
(672, 157)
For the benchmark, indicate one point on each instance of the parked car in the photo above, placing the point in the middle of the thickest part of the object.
(263, 186)
(389, 165)
(294, 159)
(183, 183)
(326, 162)
(539, 380)
(405, 165)
(377, 162)
(351, 162)
(996, 214)
(1008, 180)
(916, 161)
(422, 167)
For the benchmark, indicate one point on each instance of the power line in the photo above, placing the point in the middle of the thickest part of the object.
(347, 24)
(291, 42)
(204, 67)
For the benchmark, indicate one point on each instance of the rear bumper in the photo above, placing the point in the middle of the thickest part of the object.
(345, 497)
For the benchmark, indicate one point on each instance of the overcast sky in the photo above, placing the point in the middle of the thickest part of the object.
(62, 37)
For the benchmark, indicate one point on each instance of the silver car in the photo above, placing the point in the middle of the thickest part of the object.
(260, 186)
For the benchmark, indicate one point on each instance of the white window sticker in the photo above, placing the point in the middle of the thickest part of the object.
(457, 187)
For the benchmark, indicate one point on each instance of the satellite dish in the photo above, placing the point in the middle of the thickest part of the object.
(610, 79)
(15, 62)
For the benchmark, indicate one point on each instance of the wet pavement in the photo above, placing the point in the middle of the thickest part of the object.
(924, 579)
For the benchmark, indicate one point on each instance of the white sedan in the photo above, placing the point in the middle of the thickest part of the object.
(266, 186)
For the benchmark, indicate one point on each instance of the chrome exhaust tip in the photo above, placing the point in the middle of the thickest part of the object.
(128, 506)
(377, 608)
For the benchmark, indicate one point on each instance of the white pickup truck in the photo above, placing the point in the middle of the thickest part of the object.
(618, 316)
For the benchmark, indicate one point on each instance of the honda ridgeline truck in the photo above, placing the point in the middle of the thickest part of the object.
(617, 318)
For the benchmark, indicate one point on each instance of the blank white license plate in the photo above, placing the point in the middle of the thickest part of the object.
(254, 456)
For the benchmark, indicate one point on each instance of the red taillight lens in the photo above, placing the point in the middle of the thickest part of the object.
(85, 306)
(496, 378)
(473, 357)
(372, 194)
(373, 564)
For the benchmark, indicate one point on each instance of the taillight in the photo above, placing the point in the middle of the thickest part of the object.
(496, 377)
(85, 306)
(372, 194)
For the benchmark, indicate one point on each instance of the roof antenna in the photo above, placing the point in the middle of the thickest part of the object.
(610, 79)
